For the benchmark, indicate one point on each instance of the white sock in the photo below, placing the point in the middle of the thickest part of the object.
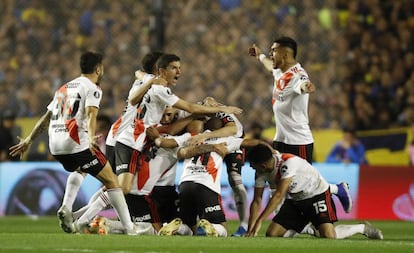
(78, 213)
(345, 231)
(309, 230)
(184, 229)
(73, 183)
(290, 233)
(115, 227)
(240, 197)
(117, 199)
(333, 188)
(221, 230)
(144, 228)
(94, 208)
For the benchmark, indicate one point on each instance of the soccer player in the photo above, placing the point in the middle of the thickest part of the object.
(75, 179)
(303, 194)
(131, 142)
(71, 120)
(234, 161)
(290, 99)
(199, 188)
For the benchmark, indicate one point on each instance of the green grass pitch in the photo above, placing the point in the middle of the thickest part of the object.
(25, 234)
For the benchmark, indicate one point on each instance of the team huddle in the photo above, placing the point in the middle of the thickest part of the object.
(157, 129)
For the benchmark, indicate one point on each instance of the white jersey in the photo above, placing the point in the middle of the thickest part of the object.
(163, 162)
(206, 168)
(127, 116)
(148, 113)
(226, 118)
(68, 124)
(290, 106)
(306, 180)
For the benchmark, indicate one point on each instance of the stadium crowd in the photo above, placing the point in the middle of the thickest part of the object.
(360, 54)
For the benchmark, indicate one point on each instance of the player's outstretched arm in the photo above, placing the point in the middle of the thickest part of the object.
(257, 52)
(202, 109)
(41, 125)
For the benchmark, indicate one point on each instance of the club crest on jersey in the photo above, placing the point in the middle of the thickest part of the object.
(96, 94)
(283, 169)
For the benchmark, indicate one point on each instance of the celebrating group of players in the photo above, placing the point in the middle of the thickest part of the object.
(157, 129)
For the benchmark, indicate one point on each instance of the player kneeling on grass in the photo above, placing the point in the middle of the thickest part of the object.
(303, 194)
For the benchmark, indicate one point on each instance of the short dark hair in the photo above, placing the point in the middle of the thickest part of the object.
(89, 61)
(166, 59)
(288, 42)
(149, 61)
(259, 154)
(213, 123)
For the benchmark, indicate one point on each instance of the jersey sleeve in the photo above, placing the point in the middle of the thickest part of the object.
(181, 139)
(287, 170)
(233, 143)
(165, 95)
(93, 96)
(300, 78)
(224, 117)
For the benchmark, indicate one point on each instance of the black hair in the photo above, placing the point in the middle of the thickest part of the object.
(166, 59)
(213, 123)
(289, 43)
(149, 61)
(89, 61)
(259, 154)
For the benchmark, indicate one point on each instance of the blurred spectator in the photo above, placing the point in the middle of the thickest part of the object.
(348, 150)
(8, 135)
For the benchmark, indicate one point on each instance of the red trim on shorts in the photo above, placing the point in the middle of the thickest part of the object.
(143, 172)
(153, 209)
(101, 157)
(302, 151)
(220, 201)
(331, 211)
(133, 162)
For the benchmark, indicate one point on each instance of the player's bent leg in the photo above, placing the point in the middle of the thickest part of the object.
(66, 219)
(116, 197)
(125, 181)
(275, 230)
(372, 232)
(327, 230)
(345, 196)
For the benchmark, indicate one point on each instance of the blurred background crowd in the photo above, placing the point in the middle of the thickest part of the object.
(359, 54)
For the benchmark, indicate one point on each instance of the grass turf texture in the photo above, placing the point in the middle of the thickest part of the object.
(24, 234)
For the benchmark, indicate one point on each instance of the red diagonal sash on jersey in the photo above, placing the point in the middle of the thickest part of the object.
(72, 127)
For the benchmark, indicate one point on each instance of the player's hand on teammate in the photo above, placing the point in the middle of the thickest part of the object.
(157, 80)
(197, 139)
(221, 149)
(93, 143)
(231, 110)
(152, 133)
